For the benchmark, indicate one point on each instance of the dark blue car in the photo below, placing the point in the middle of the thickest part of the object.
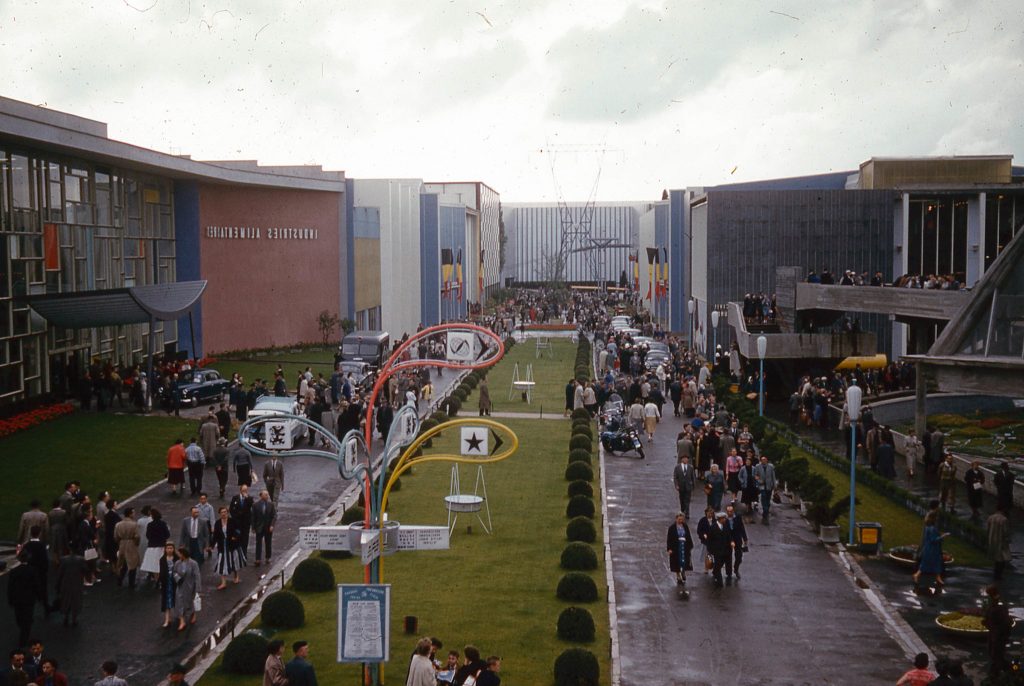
(200, 385)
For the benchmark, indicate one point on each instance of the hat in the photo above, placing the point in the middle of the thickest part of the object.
(222, 441)
(721, 515)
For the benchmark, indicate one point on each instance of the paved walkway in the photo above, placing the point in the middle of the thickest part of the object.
(964, 586)
(794, 618)
(125, 625)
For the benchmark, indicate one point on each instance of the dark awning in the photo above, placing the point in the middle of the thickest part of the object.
(116, 306)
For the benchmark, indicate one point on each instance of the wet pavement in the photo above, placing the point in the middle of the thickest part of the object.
(124, 625)
(964, 585)
(796, 617)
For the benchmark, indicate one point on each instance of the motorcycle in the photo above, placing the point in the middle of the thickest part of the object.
(621, 438)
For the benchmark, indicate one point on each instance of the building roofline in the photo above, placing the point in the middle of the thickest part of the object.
(67, 134)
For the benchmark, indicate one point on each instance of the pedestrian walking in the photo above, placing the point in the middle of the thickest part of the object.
(947, 483)
(1004, 487)
(684, 478)
(219, 462)
(738, 536)
(714, 487)
(241, 462)
(999, 623)
(189, 588)
(126, 536)
(176, 466)
(226, 538)
(264, 518)
(195, 459)
(23, 590)
(974, 482)
(195, 536)
(652, 415)
(109, 671)
(71, 579)
(273, 475)
(920, 675)
(764, 475)
(298, 670)
(719, 546)
(273, 668)
(240, 510)
(998, 529)
(168, 584)
(930, 552)
(679, 544)
(913, 451)
(484, 399)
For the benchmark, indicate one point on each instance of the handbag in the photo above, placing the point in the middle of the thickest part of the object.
(707, 489)
(90, 554)
(708, 563)
(197, 603)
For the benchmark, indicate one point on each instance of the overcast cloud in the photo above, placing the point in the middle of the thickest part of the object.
(537, 99)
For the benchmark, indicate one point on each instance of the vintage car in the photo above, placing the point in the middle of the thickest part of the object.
(362, 374)
(196, 386)
(269, 405)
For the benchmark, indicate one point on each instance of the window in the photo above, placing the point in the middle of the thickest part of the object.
(21, 182)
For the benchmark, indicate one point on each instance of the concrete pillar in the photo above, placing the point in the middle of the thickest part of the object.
(920, 405)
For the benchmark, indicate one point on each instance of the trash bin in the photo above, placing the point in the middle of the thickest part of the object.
(869, 537)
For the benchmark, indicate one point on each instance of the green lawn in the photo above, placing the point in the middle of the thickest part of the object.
(899, 525)
(106, 452)
(496, 592)
(550, 373)
(320, 361)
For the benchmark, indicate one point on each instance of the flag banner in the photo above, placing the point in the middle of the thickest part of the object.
(51, 248)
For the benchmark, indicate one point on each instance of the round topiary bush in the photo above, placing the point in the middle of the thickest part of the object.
(313, 575)
(454, 405)
(581, 529)
(576, 624)
(577, 471)
(577, 667)
(584, 431)
(440, 416)
(246, 654)
(580, 413)
(353, 514)
(461, 393)
(283, 610)
(577, 587)
(580, 488)
(582, 426)
(581, 442)
(580, 456)
(580, 506)
(578, 556)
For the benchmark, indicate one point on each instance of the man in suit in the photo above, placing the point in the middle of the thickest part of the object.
(34, 659)
(22, 592)
(16, 673)
(195, 535)
(240, 510)
(34, 517)
(738, 535)
(719, 546)
(36, 556)
(684, 478)
(264, 517)
(764, 476)
(273, 475)
(298, 670)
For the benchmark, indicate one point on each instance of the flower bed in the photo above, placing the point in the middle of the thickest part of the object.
(550, 327)
(26, 420)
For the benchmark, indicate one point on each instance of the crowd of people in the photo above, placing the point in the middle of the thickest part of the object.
(850, 277)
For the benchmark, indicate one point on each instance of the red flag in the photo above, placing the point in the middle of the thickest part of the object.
(51, 248)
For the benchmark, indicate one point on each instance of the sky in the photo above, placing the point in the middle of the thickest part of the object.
(541, 100)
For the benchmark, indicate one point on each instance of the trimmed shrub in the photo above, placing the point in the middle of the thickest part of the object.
(584, 431)
(581, 442)
(816, 488)
(577, 667)
(283, 610)
(581, 529)
(425, 426)
(578, 556)
(577, 587)
(440, 416)
(579, 455)
(454, 405)
(577, 471)
(313, 575)
(582, 423)
(353, 514)
(580, 506)
(793, 471)
(581, 413)
(461, 393)
(246, 654)
(580, 488)
(576, 624)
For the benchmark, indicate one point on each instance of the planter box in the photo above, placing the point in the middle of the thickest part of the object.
(829, 534)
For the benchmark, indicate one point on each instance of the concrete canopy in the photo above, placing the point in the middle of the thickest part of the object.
(117, 306)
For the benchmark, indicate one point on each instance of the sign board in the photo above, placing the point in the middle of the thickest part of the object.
(423, 537)
(278, 436)
(369, 544)
(364, 622)
(460, 346)
(474, 440)
(404, 426)
(324, 538)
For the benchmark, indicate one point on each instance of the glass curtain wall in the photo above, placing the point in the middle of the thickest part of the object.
(69, 226)
(938, 236)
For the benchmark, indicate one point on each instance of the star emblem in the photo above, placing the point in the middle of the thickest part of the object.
(474, 443)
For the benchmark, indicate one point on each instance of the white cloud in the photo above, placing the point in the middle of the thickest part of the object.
(676, 95)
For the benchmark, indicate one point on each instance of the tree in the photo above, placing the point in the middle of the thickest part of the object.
(327, 323)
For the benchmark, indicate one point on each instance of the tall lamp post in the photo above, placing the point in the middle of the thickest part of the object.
(853, 397)
(690, 306)
(715, 316)
(762, 348)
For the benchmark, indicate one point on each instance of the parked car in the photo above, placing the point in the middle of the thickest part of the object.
(268, 405)
(198, 385)
(362, 374)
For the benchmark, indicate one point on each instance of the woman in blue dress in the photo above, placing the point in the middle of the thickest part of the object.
(930, 552)
(167, 584)
(716, 480)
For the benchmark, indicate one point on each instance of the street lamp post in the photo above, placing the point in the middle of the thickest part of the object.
(715, 316)
(690, 306)
(853, 397)
(762, 348)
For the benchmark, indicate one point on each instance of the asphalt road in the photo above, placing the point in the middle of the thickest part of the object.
(124, 625)
(794, 618)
